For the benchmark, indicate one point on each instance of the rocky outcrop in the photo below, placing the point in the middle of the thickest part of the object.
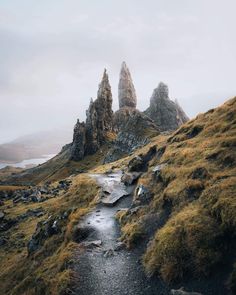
(78, 145)
(134, 128)
(89, 136)
(126, 90)
(135, 131)
(167, 115)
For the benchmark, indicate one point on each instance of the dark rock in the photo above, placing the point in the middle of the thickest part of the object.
(44, 190)
(142, 196)
(1, 203)
(194, 131)
(140, 162)
(157, 171)
(200, 173)
(44, 230)
(89, 136)
(134, 131)
(130, 177)
(36, 196)
(136, 164)
(38, 212)
(7, 223)
(166, 114)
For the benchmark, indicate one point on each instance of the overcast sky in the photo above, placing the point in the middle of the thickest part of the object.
(53, 52)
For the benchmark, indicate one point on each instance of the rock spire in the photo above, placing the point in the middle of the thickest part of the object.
(89, 136)
(167, 114)
(126, 90)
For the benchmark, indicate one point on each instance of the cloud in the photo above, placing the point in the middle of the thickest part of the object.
(53, 53)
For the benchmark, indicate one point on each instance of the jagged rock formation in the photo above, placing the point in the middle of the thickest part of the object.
(134, 128)
(167, 115)
(136, 131)
(89, 136)
(78, 145)
(126, 91)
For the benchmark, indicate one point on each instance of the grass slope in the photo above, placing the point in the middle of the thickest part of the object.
(46, 271)
(195, 197)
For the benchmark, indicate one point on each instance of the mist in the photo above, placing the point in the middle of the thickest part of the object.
(53, 53)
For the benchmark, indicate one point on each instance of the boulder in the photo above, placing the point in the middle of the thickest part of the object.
(79, 140)
(44, 230)
(142, 196)
(140, 162)
(157, 171)
(130, 177)
(136, 164)
(36, 196)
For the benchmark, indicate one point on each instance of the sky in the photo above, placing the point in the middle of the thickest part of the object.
(53, 53)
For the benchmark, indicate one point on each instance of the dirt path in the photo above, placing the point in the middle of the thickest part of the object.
(119, 272)
(101, 270)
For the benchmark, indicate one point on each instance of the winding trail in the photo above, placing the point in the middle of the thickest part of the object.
(118, 273)
(100, 270)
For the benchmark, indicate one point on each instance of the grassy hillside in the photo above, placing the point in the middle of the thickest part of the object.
(186, 226)
(45, 271)
(193, 200)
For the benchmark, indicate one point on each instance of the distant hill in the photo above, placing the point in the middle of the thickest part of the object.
(34, 145)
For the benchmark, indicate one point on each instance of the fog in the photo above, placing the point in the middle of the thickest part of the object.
(52, 55)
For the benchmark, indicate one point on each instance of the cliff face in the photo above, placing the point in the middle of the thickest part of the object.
(89, 136)
(167, 115)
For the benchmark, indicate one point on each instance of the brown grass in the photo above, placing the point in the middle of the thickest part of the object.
(48, 270)
(200, 209)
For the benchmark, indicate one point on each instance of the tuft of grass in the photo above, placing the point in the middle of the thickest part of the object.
(187, 243)
(132, 233)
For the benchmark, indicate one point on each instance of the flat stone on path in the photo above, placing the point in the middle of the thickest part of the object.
(112, 188)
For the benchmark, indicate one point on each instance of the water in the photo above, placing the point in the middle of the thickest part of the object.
(28, 162)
